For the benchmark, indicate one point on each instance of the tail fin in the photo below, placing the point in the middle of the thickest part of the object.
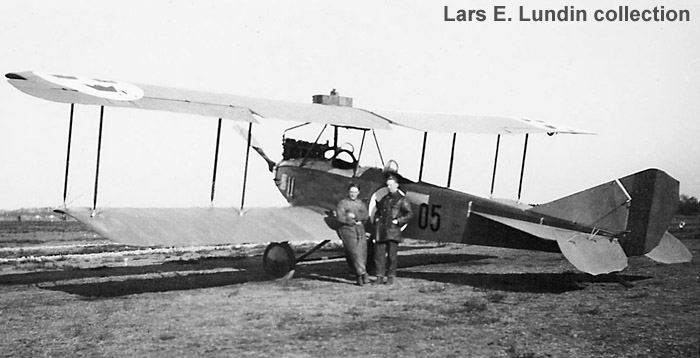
(637, 208)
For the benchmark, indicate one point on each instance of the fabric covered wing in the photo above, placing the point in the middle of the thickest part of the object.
(204, 226)
(71, 89)
(593, 254)
(455, 123)
(75, 89)
(89, 91)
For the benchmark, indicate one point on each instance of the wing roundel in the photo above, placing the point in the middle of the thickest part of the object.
(90, 91)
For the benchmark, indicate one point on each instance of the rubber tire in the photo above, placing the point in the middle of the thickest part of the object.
(278, 260)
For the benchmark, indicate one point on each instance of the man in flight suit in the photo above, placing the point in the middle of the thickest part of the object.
(352, 214)
(393, 211)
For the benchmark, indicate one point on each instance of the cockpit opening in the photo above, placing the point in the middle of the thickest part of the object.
(300, 149)
(341, 157)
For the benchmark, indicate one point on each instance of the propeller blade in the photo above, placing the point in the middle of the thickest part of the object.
(255, 145)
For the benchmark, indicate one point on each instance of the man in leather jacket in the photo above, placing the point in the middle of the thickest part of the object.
(393, 212)
(352, 214)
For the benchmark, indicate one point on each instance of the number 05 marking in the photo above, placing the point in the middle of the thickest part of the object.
(429, 215)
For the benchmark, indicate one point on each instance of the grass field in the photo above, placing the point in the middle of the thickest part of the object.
(66, 292)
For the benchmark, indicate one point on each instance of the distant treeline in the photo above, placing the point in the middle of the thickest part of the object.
(688, 205)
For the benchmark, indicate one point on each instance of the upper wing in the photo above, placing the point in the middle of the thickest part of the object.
(204, 226)
(458, 123)
(74, 89)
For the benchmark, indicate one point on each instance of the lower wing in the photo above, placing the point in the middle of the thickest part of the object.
(205, 226)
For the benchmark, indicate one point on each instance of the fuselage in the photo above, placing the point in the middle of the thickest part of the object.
(440, 214)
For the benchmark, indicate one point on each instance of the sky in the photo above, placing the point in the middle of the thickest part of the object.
(635, 84)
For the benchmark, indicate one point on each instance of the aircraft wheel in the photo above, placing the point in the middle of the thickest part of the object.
(279, 260)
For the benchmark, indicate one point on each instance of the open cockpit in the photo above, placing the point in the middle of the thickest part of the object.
(339, 160)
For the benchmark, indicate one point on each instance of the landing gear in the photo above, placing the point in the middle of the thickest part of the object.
(279, 260)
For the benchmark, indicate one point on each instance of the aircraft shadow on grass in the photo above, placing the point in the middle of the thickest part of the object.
(524, 282)
(513, 282)
(167, 276)
(105, 282)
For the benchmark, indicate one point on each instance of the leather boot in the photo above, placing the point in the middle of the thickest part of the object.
(360, 280)
(365, 278)
(390, 280)
(380, 280)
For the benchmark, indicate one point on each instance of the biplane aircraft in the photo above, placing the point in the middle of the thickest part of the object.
(595, 229)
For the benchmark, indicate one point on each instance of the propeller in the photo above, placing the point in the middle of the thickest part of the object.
(255, 145)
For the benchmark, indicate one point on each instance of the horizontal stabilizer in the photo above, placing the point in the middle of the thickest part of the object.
(542, 231)
(204, 226)
(670, 251)
(593, 254)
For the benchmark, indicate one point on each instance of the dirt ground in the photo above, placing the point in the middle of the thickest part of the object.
(66, 292)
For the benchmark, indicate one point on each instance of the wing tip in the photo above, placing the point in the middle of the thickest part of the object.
(14, 76)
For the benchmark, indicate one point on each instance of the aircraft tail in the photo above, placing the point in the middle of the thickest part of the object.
(636, 209)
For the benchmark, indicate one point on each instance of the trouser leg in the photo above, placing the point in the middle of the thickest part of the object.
(393, 248)
(349, 260)
(380, 258)
(370, 268)
(361, 254)
(355, 246)
(349, 246)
